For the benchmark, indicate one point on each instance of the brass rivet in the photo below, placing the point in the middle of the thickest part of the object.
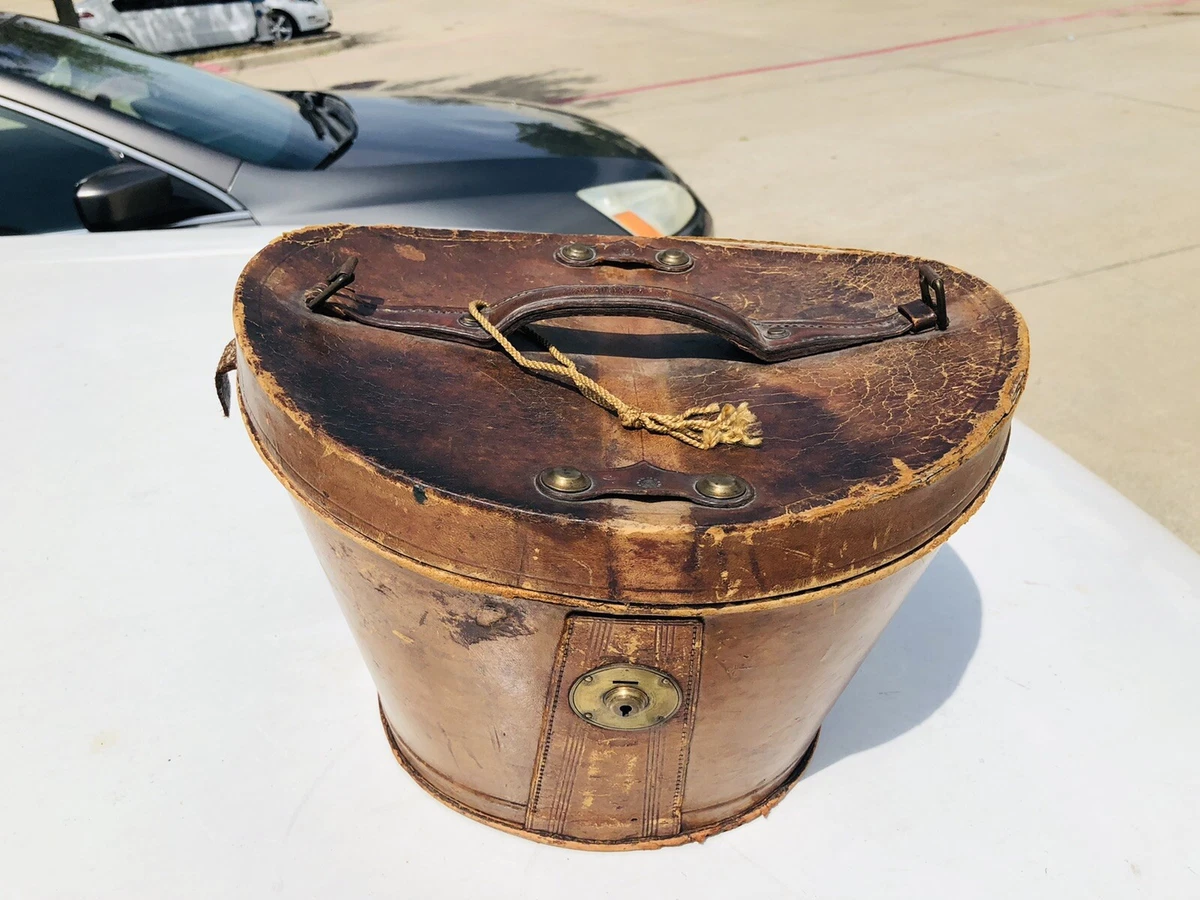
(468, 320)
(673, 258)
(720, 487)
(578, 253)
(565, 479)
(777, 331)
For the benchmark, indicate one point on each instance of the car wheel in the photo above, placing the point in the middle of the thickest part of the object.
(280, 26)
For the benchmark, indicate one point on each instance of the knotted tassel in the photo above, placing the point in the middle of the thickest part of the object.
(703, 427)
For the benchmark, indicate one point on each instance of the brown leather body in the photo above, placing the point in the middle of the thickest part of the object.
(479, 598)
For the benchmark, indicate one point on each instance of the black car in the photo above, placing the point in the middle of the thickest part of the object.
(96, 134)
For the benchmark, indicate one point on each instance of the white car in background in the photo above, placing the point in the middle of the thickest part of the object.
(284, 19)
(168, 26)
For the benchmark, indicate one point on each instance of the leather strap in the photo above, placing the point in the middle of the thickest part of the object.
(599, 785)
(768, 341)
(772, 340)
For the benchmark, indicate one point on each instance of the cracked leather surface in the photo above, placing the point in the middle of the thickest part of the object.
(432, 448)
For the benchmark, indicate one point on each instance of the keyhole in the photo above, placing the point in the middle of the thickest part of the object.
(625, 699)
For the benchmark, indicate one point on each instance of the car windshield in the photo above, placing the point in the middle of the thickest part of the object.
(253, 125)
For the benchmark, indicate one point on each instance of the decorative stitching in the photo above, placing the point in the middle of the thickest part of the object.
(694, 659)
(560, 667)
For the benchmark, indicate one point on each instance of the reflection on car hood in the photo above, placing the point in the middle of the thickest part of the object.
(395, 130)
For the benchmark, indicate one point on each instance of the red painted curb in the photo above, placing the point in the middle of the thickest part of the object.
(878, 51)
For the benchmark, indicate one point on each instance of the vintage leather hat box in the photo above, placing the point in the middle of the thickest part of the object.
(615, 520)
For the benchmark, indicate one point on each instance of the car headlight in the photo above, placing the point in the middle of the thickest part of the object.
(649, 208)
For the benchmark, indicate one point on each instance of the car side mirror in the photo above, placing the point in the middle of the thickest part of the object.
(124, 197)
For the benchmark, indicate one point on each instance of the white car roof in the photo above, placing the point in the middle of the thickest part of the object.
(185, 713)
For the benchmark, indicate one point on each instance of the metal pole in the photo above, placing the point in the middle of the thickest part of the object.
(66, 13)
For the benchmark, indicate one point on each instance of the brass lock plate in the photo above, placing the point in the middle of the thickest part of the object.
(625, 697)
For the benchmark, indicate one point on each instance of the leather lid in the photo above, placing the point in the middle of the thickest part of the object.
(429, 441)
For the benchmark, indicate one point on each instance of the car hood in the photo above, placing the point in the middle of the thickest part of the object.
(396, 130)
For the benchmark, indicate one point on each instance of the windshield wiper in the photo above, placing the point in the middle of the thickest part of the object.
(306, 101)
(330, 117)
(338, 110)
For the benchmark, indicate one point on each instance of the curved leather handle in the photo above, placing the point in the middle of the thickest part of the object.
(769, 341)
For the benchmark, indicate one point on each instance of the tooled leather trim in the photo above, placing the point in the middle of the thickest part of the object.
(670, 645)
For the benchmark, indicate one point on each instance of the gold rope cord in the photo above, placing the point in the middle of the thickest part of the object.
(703, 427)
